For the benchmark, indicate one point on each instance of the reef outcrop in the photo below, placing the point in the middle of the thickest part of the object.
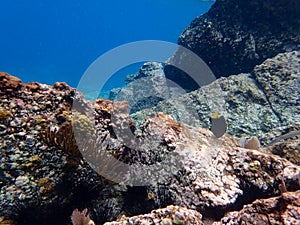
(253, 104)
(149, 156)
(234, 36)
(42, 172)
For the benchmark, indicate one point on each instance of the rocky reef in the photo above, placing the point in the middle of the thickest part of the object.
(253, 103)
(156, 160)
(40, 176)
(236, 35)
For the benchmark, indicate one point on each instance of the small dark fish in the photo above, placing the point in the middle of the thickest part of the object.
(219, 125)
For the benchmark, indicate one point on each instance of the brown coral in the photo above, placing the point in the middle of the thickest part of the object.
(4, 114)
(61, 137)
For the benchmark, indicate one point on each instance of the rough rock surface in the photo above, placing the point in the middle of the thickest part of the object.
(167, 216)
(148, 69)
(8, 83)
(279, 78)
(39, 178)
(284, 209)
(216, 176)
(34, 177)
(52, 139)
(43, 175)
(285, 142)
(234, 36)
(146, 88)
(237, 98)
(251, 103)
(277, 210)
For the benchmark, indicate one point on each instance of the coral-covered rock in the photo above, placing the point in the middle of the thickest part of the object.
(165, 216)
(217, 175)
(26, 161)
(61, 152)
(8, 83)
(172, 163)
(33, 86)
(284, 209)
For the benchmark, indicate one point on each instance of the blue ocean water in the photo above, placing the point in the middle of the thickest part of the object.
(49, 41)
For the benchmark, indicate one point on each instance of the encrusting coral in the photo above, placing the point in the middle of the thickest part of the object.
(62, 135)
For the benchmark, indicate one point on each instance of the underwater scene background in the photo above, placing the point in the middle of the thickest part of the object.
(204, 130)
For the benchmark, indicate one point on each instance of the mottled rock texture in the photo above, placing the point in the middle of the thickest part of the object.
(146, 88)
(279, 78)
(52, 139)
(40, 175)
(253, 104)
(8, 83)
(34, 177)
(236, 35)
(237, 98)
(166, 216)
(285, 142)
(283, 209)
(277, 210)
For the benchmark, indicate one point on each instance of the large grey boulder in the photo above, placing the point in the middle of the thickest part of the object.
(279, 78)
(252, 103)
(146, 88)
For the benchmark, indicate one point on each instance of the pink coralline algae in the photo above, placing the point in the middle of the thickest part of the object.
(81, 218)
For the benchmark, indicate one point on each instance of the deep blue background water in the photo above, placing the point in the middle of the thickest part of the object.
(48, 41)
